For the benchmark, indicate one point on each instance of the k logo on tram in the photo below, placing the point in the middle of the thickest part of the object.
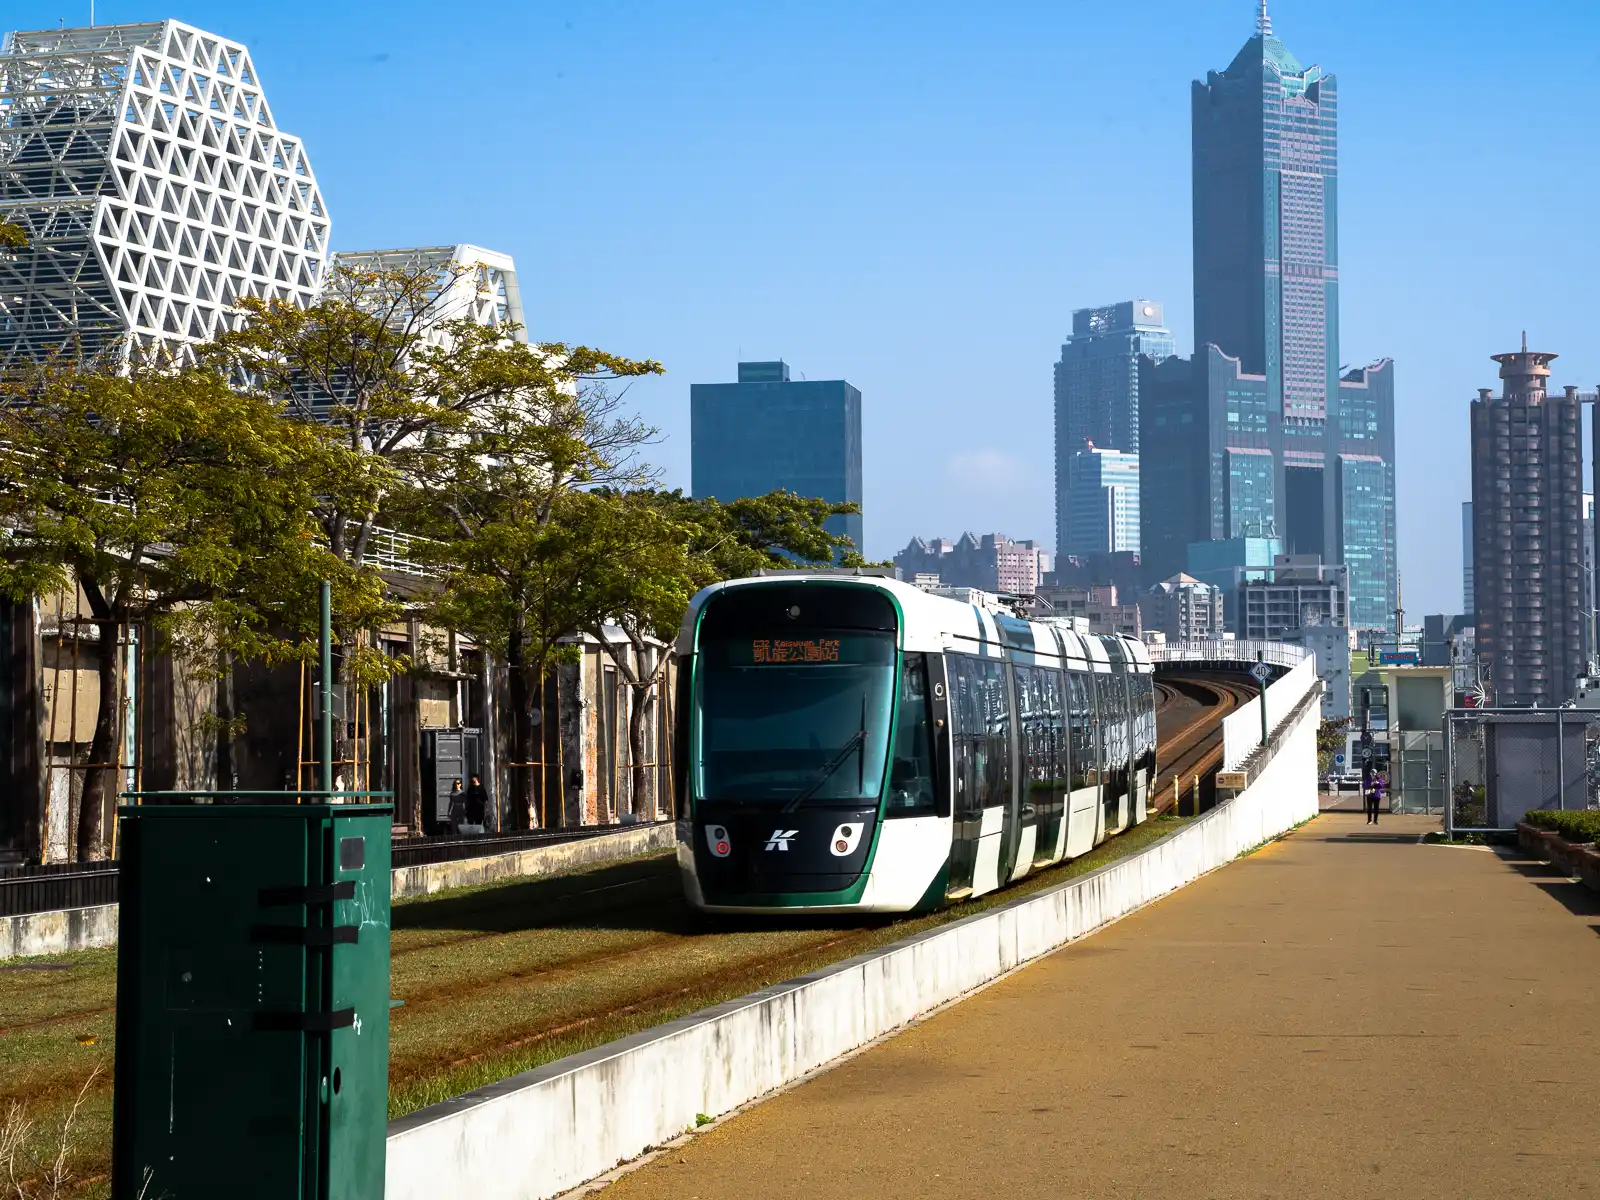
(781, 838)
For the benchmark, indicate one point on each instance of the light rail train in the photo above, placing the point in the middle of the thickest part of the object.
(854, 744)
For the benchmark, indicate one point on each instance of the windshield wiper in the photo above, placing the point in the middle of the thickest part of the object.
(857, 739)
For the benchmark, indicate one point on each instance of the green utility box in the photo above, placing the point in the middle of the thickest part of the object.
(252, 1001)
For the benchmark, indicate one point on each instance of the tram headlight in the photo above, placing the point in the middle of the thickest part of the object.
(719, 842)
(845, 839)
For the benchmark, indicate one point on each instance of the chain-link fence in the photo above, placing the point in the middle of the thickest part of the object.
(1504, 763)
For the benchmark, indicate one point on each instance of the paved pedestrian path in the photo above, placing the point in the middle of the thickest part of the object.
(1345, 1013)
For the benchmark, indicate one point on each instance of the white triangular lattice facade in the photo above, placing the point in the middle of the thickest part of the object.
(473, 282)
(144, 164)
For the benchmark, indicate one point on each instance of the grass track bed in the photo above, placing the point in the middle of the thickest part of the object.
(495, 980)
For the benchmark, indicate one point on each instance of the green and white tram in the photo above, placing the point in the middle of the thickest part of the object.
(852, 744)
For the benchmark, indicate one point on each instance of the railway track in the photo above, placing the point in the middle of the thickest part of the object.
(1188, 757)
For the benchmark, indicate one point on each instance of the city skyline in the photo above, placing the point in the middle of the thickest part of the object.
(669, 262)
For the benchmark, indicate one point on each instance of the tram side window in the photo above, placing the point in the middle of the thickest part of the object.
(995, 773)
(967, 741)
(1081, 729)
(911, 790)
(1033, 723)
(1146, 720)
(1055, 684)
(1113, 729)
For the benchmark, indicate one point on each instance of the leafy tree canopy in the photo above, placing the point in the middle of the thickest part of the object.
(165, 496)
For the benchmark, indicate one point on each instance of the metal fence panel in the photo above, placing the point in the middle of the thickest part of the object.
(1504, 763)
(1419, 774)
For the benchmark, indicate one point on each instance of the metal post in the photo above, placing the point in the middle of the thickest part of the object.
(1449, 778)
(325, 711)
(1561, 766)
(1260, 658)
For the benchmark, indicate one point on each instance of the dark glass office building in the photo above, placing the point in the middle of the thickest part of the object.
(1292, 447)
(1220, 463)
(767, 432)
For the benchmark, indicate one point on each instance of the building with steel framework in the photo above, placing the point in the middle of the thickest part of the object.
(155, 188)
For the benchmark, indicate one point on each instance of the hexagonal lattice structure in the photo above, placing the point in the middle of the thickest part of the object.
(154, 186)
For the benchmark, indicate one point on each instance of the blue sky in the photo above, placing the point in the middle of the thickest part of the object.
(915, 197)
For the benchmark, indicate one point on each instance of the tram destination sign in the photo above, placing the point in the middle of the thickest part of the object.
(792, 651)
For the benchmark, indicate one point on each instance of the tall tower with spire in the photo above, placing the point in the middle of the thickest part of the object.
(1292, 442)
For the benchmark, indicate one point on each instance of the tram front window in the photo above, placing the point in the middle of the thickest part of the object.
(777, 713)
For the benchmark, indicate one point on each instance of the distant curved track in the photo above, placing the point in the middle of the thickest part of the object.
(1189, 713)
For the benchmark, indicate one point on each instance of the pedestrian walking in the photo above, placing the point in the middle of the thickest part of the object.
(456, 813)
(1374, 796)
(477, 805)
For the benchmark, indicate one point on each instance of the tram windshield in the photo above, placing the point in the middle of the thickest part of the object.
(777, 713)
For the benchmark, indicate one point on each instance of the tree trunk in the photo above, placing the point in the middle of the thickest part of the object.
(639, 701)
(91, 808)
(639, 690)
(227, 773)
(522, 790)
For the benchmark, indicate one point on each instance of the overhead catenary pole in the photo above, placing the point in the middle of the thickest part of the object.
(325, 701)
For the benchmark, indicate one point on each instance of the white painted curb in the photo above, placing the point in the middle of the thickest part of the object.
(543, 1132)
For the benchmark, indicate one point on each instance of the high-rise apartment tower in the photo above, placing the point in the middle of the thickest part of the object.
(1527, 542)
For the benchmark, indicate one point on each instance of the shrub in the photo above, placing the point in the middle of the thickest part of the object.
(1573, 826)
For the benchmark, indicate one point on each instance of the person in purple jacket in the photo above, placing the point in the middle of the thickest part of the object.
(1375, 790)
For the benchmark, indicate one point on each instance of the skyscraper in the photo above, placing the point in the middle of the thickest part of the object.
(1292, 445)
(767, 432)
(1097, 385)
(1213, 466)
(1527, 551)
(1469, 605)
(155, 188)
(1102, 503)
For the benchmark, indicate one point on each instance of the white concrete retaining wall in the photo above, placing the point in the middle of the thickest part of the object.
(538, 1134)
(58, 931)
(1241, 729)
(541, 860)
(66, 929)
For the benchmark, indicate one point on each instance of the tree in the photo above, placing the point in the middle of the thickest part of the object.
(489, 499)
(1330, 741)
(775, 531)
(12, 237)
(383, 360)
(162, 496)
